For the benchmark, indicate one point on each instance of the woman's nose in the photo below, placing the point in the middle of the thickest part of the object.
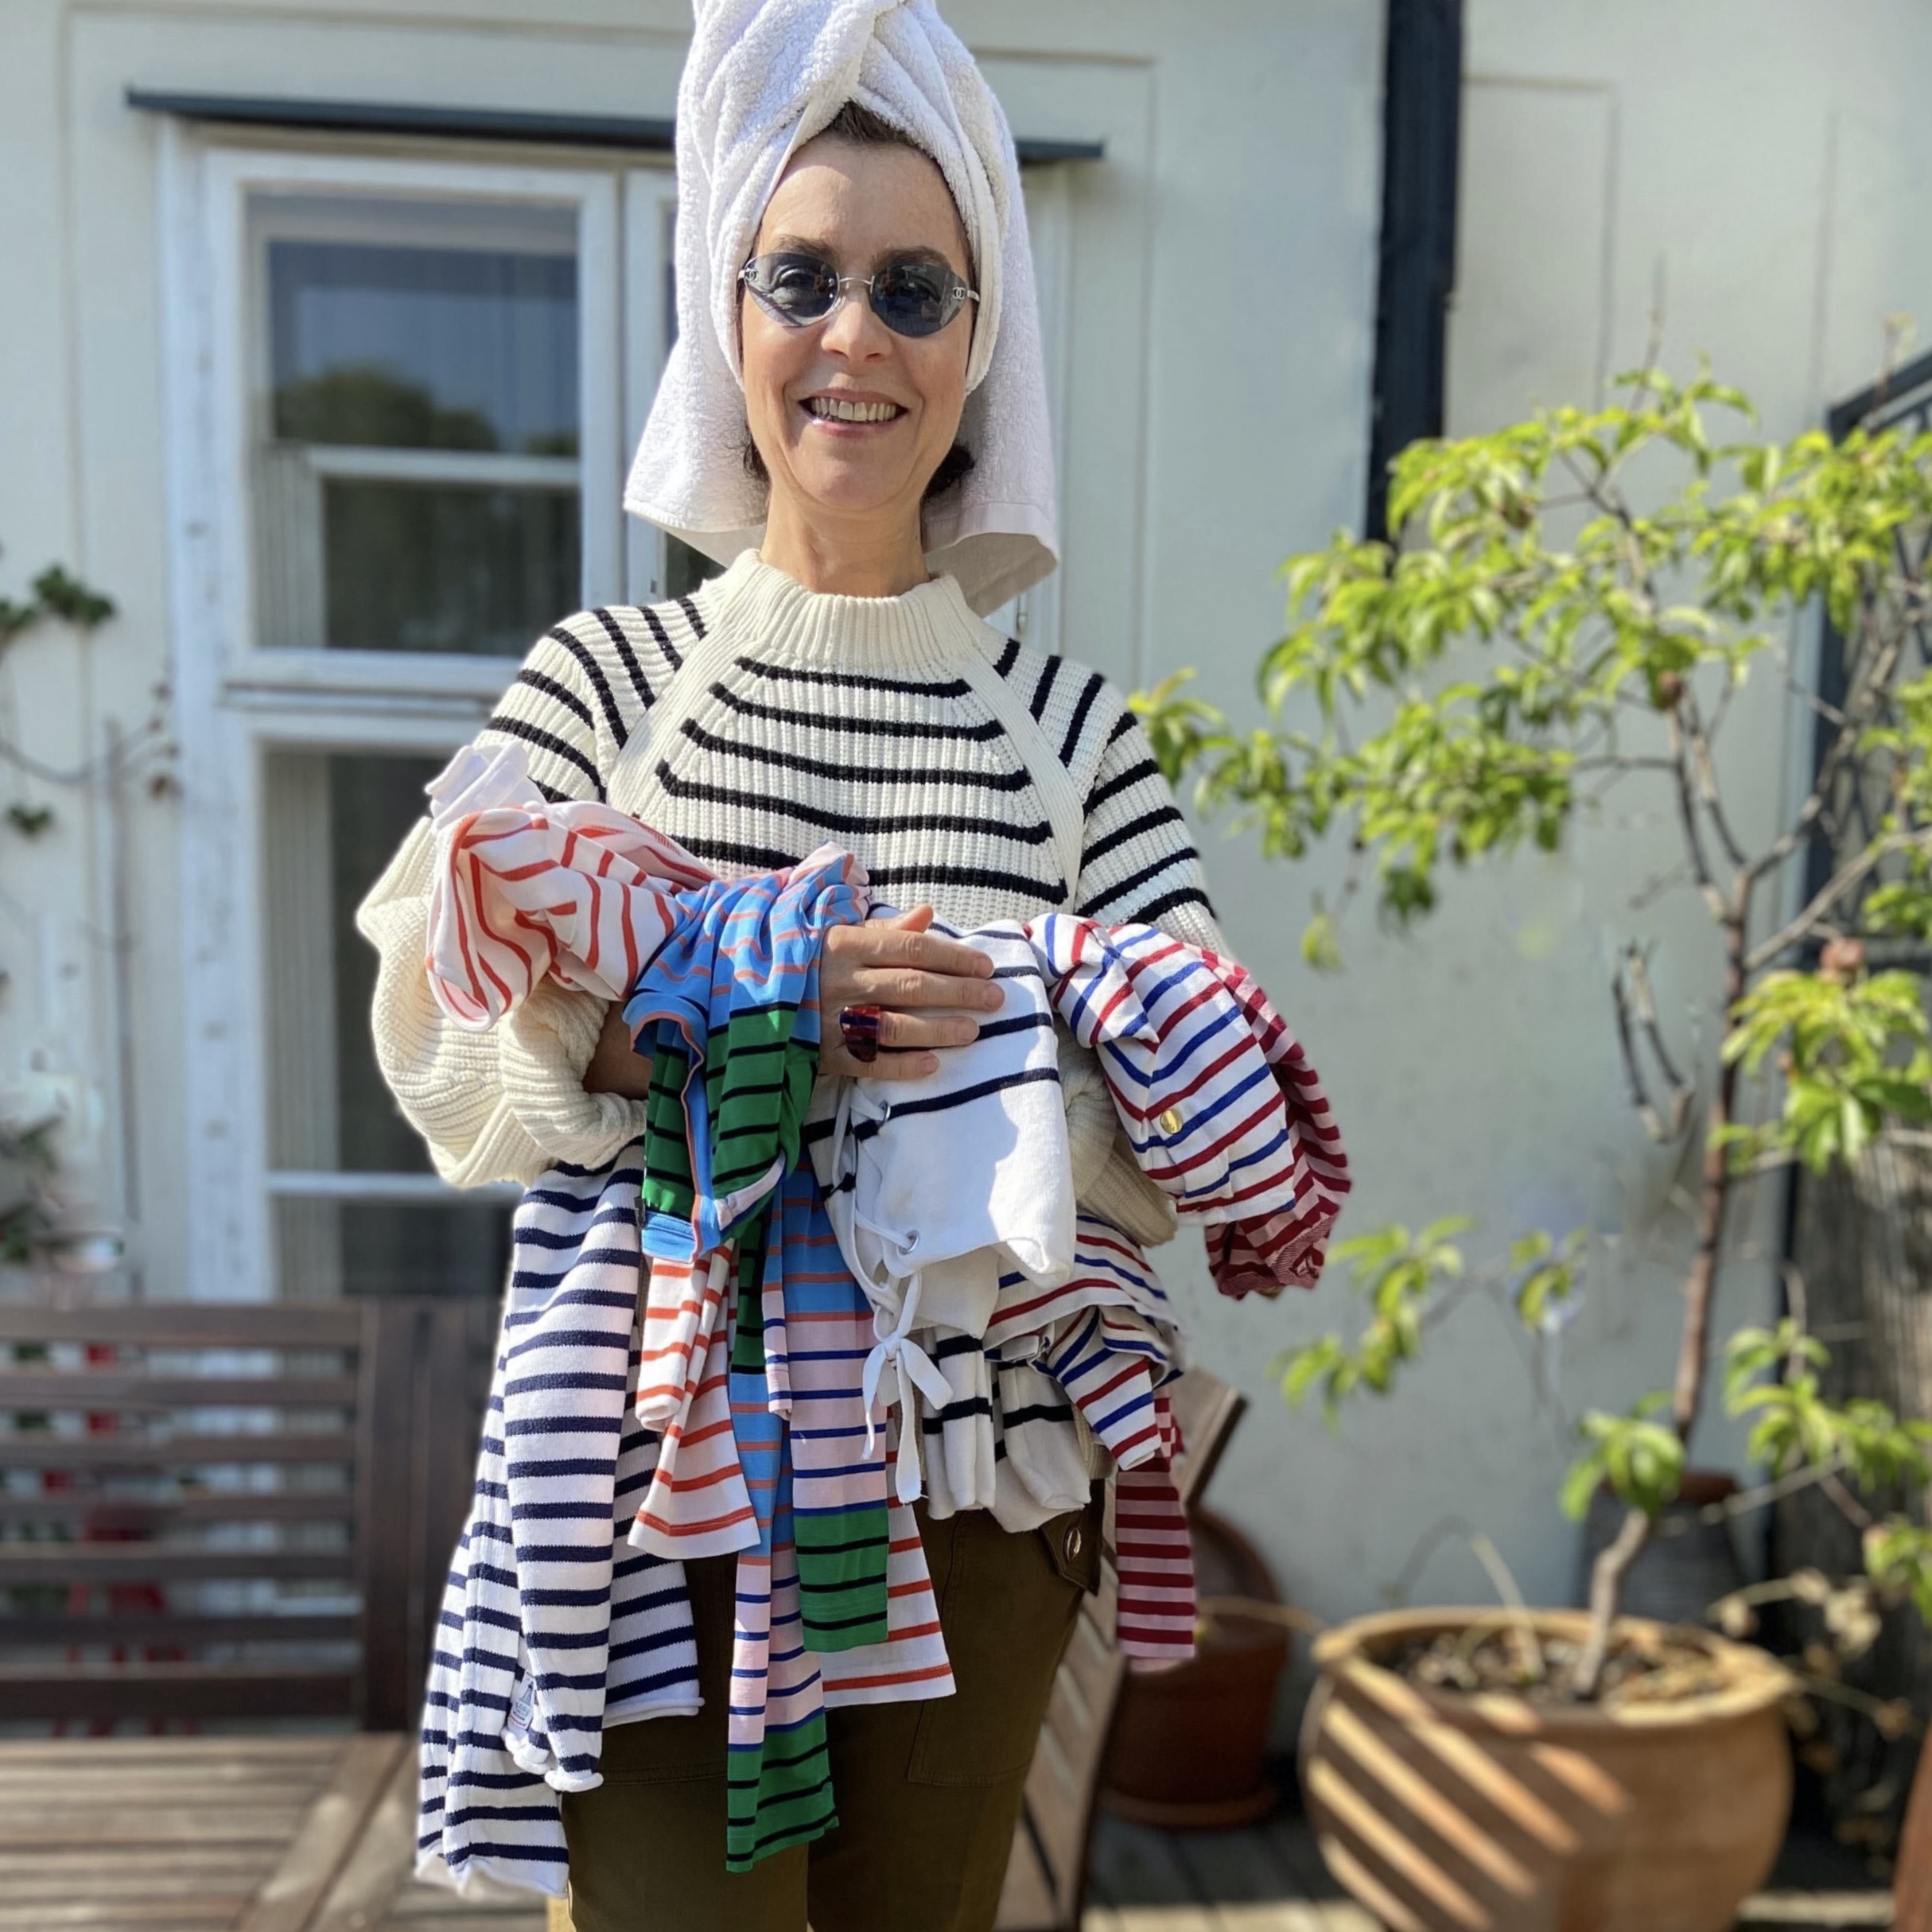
(853, 330)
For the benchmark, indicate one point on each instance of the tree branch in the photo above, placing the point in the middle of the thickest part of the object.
(1827, 895)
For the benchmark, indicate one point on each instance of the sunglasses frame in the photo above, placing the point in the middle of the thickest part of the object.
(957, 291)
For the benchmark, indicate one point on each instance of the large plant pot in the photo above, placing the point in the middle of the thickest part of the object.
(1445, 1813)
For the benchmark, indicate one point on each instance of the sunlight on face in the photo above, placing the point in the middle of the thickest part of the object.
(858, 207)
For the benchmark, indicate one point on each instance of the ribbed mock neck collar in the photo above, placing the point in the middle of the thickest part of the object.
(929, 624)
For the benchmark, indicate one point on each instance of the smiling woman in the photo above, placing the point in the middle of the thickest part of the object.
(858, 416)
(856, 313)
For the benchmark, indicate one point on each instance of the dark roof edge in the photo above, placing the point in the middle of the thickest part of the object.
(641, 135)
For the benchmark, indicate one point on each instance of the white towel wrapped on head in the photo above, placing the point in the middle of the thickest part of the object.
(762, 77)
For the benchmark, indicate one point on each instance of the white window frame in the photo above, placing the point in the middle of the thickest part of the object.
(228, 177)
(239, 702)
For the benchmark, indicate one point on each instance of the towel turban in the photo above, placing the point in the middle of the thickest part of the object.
(762, 77)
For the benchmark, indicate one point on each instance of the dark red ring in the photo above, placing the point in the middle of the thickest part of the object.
(858, 1027)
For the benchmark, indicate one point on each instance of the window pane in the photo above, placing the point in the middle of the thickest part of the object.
(409, 347)
(332, 821)
(331, 1248)
(416, 475)
(451, 567)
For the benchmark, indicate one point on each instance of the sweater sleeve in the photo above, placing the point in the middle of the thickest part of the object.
(1136, 862)
(505, 1104)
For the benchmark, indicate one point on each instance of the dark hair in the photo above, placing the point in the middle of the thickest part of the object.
(956, 464)
(853, 122)
(865, 129)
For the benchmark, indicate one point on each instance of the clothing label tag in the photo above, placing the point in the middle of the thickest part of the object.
(523, 1705)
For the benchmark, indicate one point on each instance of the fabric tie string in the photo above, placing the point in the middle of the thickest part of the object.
(917, 1371)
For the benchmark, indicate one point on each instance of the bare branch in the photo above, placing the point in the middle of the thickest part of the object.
(1607, 1575)
(1706, 775)
(1848, 1506)
(1630, 987)
(1687, 816)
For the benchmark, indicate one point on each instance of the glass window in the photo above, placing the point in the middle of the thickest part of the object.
(416, 424)
(358, 1210)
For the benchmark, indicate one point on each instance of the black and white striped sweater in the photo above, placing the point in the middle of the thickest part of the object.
(753, 721)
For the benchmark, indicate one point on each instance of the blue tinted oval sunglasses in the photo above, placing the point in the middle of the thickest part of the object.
(910, 298)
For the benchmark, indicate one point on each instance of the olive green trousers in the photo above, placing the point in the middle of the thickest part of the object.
(927, 1794)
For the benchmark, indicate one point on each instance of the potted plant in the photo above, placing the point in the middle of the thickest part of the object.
(1541, 629)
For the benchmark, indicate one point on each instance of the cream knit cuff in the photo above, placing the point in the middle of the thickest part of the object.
(542, 1050)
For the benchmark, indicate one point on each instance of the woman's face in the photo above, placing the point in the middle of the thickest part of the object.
(859, 208)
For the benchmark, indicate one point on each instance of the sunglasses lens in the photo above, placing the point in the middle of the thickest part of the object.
(915, 300)
(799, 287)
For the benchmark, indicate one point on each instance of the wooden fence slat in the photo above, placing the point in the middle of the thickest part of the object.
(289, 1898)
(134, 1451)
(191, 1324)
(42, 1563)
(37, 1390)
(89, 1507)
(1206, 1409)
(174, 1690)
(160, 1629)
(1026, 1894)
(387, 1487)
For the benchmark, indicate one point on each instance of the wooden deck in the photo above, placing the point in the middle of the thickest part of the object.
(315, 1835)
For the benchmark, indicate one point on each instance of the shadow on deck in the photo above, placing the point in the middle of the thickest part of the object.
(315, 1834)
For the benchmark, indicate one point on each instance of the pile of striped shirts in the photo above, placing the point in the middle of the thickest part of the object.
(700, 1340)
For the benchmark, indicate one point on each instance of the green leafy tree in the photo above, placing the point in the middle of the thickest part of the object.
(1541, 628)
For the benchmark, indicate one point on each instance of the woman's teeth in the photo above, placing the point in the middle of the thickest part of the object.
(840, 410)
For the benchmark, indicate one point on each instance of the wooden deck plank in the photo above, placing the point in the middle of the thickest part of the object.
(77, 1754)
(326, 1836)
(1238, 1867)
(379, 1864)
(215, 1912)
(105, 1800)
(470, 1919)
(210, 1825)
(1162, 1918)
(420, 1908)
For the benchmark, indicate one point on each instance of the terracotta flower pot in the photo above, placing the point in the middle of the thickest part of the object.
(1446, 1813)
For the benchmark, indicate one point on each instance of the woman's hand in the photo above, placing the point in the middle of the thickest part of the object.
(911, 975)
(894, 964)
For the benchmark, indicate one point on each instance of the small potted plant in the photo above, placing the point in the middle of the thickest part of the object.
(1540, 630)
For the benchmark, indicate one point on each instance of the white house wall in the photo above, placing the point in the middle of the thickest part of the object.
(1757, 164)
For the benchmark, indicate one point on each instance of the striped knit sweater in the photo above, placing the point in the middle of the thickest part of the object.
(752, 722)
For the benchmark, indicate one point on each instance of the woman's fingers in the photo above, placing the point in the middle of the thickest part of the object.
(901, 1032)
(908, 989)
(898, 944)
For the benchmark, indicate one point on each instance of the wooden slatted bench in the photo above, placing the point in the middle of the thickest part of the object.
(148, 1452)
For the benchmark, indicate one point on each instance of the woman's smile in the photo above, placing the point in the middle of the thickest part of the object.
(845, 412)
